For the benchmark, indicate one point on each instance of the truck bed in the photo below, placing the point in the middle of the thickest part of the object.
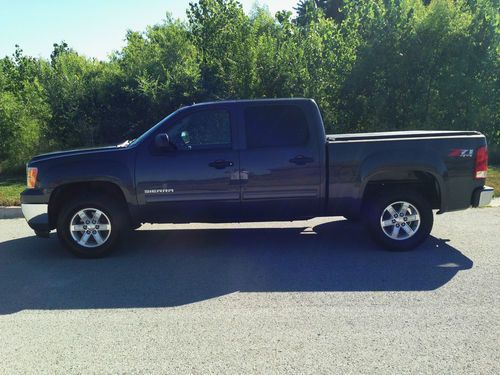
(447, 157)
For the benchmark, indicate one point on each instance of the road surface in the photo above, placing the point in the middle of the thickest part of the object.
(311, 297)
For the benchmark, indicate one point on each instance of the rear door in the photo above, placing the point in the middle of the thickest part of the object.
(280, 167)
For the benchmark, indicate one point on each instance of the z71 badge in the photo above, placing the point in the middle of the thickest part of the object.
(461, 153)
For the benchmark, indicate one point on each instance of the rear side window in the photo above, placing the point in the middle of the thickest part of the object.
(275, 126)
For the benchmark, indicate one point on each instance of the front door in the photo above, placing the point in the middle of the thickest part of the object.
(199, 180)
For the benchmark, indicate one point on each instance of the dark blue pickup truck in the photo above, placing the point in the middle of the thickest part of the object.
(255, 160)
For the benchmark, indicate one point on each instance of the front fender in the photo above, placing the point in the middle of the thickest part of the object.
(112, 167)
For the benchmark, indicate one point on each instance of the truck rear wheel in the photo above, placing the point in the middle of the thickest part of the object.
(399, 220)
(91, 226)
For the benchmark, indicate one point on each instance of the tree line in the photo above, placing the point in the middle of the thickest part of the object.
(371, 66)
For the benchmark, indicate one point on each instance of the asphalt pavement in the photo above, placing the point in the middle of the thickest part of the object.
(310, 297)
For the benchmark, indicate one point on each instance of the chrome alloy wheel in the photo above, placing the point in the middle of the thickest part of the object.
(400, 220)
(90, 227)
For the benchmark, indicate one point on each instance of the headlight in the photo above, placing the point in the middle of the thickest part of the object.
(31, 174)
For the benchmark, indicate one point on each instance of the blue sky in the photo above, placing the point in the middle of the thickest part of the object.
(92, 27)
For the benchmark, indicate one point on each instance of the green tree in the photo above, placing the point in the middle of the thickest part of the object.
(370, 65)
(307, 8)
(159, 71)
(423, 67)
(221, 32)
(24, 111)
(72, 86)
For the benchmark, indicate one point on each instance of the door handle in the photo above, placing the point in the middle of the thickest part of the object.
(301, 160)
(221, 164)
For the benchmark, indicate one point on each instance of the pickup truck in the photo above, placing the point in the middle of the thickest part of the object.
(255, 160)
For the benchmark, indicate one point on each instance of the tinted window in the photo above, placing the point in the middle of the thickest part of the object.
(275, 126)
(202, 130)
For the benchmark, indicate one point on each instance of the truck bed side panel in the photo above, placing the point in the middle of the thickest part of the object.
(354, 163)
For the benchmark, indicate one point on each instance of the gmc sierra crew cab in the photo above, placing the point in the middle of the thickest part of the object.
(255, 160)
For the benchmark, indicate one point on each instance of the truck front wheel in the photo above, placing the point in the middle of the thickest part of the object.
(90, 226)
(399, 220)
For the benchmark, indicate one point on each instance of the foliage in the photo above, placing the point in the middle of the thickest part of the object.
(371, 66)
(157, 72)
(331, 9)
(24, 112)
(424, 67)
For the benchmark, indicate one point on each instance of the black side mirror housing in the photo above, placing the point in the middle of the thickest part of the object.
(162, 141)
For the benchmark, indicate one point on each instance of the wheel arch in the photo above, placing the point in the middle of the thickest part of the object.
(69, 190)
(416, 166)
(426, 182)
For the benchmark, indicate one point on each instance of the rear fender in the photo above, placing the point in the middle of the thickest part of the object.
(383, 163)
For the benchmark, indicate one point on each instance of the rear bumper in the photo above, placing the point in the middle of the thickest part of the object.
(482, 196)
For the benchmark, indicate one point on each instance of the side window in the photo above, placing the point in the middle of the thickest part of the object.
(275, 126)
(207, 129)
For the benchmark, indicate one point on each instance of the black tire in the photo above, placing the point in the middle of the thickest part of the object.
(112, 210)
(384, 233)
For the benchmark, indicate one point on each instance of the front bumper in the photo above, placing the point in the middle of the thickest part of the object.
(482, 196)
(35, 207)
(37, 216)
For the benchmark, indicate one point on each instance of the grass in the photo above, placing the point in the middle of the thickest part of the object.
(11, 188)
(493, 179)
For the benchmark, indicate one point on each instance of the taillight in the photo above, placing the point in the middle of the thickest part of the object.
(481, 166)
(31, 174)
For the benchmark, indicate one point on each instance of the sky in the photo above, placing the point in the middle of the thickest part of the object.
(93, 28)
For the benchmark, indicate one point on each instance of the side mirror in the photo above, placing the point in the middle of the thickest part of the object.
(185, 137)
(162, 141)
